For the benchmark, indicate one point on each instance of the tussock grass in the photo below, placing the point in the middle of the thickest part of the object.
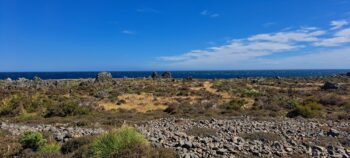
(117, 140)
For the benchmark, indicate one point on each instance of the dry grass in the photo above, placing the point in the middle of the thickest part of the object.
(140, 102)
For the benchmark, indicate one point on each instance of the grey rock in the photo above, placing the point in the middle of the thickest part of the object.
(104, 77)
(329, 85)
(333, 132)
(221, 151)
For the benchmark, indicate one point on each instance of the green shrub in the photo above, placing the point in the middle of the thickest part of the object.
(346, 107)
(66, 109)
(37, 104)
(235, 104)
(50, 148)
(308, 110)
(14, 107)
(32, 140)
(74, 144)
(314, 106)
(251, 93)
(115, 141)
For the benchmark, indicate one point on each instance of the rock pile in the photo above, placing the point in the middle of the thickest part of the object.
(167, 75)
(104, 77)
(61, 133)
(289, 137)
(155, 75)
(329, 85)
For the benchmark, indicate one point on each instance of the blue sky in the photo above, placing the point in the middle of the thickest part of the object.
(96, 35)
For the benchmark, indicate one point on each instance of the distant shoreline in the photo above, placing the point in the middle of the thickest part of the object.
(178, 74)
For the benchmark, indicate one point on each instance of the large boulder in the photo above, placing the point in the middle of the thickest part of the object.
(329, 85)
(348, 74)
(104, 77)
(155, 75)
(37, 79)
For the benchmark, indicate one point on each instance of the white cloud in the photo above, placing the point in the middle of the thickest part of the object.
(339, 38)
(209, 14)
(128, 32)
(337, 24)
(343, 33)
(335, 58)
(289, 49)
(298, 36)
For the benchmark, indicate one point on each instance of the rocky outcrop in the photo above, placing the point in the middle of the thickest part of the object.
(104, 77)
(348, 74)
(329, 85)
(167, 75)
(155, 75)
(287, 137)
(61, 133)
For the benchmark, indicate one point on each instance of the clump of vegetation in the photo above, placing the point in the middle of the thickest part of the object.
(346, 107)
(33, 140)
(235, 104)
(116, 141)
(66, 109)
(50, 148)
(14, 105)
(251, 93)
(308, 109)
(9, 146)
(74, 144)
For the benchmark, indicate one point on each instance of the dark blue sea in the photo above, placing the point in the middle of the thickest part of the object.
(178, 74)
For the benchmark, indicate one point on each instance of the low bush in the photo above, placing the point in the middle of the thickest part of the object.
(14, 106)
(346, 107)
(74, 144)
(50, 148)
(66, 109)
(116, 141)
(9, 146)
(251, 93)
(31, 154)
(307, 110)
(235, 104)
(32, 140)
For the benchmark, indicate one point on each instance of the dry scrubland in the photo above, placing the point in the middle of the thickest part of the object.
(164, 117)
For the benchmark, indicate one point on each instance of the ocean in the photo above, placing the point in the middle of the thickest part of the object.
(178, 74)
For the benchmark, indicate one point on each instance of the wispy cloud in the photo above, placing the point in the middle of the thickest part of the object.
(256, 51)
(147, 10)
(339, 38)
(269, 24)
(337, 24)
(209, 14)
(128, 32)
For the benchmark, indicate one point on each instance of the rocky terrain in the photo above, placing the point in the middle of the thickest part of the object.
(245, 117)
(61, 132)
(248, 138)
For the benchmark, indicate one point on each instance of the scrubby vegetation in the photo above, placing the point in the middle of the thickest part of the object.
(33, 140)
(114, 142)
(265, 97)
(121, 142)
(86, 103)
